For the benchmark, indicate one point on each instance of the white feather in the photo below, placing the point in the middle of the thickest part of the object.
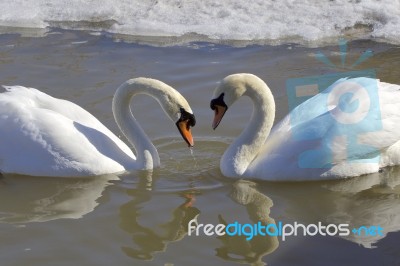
(44, 136)
(279, 155)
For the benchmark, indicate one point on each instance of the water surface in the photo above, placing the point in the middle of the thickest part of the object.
(139, 218)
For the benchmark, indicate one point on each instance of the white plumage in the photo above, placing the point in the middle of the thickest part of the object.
(44, 136)
(310, 143)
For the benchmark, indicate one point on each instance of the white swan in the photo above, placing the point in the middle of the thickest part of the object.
(44, 136)
(329, 136)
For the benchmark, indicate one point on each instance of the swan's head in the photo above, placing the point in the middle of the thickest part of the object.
(178, 109)
(227, 92)
(185, 121)
(172, 102)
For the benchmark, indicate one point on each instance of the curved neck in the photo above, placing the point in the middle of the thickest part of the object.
(245, 148)
(147, 155)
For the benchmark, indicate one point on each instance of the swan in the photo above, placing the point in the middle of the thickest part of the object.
(44, 136)
(329, 136)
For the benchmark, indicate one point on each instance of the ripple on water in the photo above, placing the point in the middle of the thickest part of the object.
(182, 168)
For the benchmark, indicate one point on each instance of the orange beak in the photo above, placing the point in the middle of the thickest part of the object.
(219, 113)
(185, 130)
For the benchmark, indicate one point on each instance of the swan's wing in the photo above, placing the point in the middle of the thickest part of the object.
(33, 98)
(42, 135)
(319, 136)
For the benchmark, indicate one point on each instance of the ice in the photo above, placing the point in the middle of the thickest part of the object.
(274, 21)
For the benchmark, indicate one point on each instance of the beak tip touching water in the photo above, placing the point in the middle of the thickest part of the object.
(190, 143)
(186, 132)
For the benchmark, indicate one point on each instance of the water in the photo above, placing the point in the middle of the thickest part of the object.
(139, 218)
(195, 166)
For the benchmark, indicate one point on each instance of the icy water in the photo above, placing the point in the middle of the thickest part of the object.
(140, 218)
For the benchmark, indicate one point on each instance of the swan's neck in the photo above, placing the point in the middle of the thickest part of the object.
(146, 153)
(245, 148)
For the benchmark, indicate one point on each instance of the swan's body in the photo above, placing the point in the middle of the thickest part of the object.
(308, 144)
(44, 136)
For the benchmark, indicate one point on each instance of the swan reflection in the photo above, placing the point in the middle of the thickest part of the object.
(151, 238)
(258, 206)
(25, 199)
(370, 200)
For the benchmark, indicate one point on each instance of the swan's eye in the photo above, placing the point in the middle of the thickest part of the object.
(192, 121)
(186, 116)
(218, 101)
